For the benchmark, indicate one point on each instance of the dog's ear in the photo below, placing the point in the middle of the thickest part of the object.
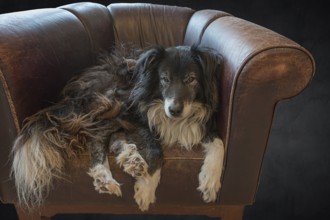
(145, 78)
(211, 64)
(148, 60)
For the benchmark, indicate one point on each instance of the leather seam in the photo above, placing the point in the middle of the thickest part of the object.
(10, 101)
(186, 26)
(209, 23)
(83, 24)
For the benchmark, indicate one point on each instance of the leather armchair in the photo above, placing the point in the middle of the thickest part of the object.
(40, 50)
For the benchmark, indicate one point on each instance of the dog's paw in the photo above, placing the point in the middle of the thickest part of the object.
(103, 181)
(209, 184)
(145, 190)
(131, 161)
(107, 186)
(144, 196)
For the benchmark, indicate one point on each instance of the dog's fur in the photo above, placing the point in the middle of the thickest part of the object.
(126, 106)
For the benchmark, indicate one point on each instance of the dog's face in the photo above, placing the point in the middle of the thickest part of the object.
(179, 81)
(179, 76)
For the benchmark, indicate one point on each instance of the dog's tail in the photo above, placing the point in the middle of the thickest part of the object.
(36, 161)
(51, 137)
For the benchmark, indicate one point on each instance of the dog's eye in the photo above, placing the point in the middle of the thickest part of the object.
(165, 79)
(190, 79)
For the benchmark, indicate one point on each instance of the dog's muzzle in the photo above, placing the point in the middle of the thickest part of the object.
(173, 108)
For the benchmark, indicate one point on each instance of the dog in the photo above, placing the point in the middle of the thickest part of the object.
(130, 105)
(176, 92)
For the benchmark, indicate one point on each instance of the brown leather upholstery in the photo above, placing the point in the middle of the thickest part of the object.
(41, 49)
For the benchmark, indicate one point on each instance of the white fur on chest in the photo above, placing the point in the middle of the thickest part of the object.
(187, 131)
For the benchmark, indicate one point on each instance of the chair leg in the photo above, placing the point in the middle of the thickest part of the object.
(232, 213)
(26, 215)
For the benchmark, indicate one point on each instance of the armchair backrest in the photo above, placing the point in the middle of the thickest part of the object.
(148, 24)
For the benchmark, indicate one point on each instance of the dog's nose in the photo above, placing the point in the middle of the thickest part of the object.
(175, 109)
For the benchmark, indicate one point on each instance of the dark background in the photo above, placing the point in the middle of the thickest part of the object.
(295, 182)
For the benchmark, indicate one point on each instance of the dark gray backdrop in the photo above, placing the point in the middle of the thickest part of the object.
(295, 182)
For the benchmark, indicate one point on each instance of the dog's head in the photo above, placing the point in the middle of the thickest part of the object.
(179, 76)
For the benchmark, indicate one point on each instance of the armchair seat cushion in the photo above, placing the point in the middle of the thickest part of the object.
(179, 182)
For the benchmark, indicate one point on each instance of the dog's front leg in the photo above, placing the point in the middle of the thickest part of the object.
(144, 163)
(100, 171)
(128, 156)
(210, 175)
(135, 165)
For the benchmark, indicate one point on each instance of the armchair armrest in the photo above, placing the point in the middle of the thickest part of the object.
(40, 50)
(261, 68)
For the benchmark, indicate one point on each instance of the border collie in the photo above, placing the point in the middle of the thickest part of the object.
(131, 107)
